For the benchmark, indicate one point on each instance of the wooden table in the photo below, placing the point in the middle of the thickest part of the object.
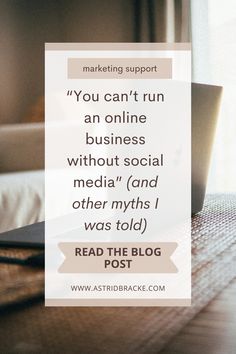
(26, 326)
(212, 331)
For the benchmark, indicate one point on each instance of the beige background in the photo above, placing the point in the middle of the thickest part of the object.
(139, 264)
(163, 68)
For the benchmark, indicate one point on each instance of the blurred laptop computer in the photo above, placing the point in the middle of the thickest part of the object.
(205, 107)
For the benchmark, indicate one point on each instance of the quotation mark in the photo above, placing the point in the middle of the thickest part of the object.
(118, 179)
(69, 93)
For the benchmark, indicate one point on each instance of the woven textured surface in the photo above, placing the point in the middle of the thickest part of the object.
(35, 329)
(17, 282)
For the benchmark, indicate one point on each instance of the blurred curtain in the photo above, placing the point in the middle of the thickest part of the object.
(26, 25)
(200, 41)
(214, 53)
(162, 20)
